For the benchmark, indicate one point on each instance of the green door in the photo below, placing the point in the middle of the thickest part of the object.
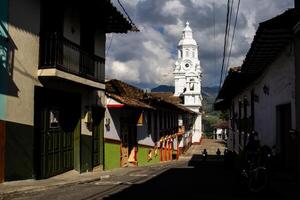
(98, 133)
(57, 144)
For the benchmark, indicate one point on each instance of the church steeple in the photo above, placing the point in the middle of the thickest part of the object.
(187, 36)
(187, 70)
(187, 75)
(187, 31)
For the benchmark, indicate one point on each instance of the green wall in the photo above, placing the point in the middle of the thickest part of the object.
(86, 153)
(19, 151)
(77, 132)
(111, 155)
(142, 156)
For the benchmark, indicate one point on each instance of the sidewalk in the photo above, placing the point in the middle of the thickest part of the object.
(66, 179)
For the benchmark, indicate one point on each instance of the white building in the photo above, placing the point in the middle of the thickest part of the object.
(260, 94)
(187, 75)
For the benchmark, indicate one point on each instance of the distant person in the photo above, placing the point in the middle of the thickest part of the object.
(218, 153)
(204, 154)
(252, 147)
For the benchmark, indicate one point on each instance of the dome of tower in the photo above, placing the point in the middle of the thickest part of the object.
(187, 36)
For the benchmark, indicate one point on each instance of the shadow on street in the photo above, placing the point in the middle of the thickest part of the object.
(196, 180)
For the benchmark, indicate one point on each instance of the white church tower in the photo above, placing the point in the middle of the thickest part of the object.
(187, 74)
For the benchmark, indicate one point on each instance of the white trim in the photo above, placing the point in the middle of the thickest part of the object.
(71, 77)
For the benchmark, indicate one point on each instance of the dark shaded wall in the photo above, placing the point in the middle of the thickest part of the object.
(19, 151)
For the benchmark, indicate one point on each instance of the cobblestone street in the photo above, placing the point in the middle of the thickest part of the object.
(201, 180)
(209, 144)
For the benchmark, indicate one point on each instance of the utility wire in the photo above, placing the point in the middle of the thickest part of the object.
(110, 42)
(131, 22)
(225, 43)
(228, 35)
(233, 34)
(214, 23)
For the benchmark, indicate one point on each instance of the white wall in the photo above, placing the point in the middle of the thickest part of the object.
(114, 130)
(280, 79)
(143, 137)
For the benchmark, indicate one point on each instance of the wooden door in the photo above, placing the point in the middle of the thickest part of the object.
(124, 146)
(2, 150)
(98, 116)
(57, 145)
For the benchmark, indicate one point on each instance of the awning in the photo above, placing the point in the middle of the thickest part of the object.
(113, 104)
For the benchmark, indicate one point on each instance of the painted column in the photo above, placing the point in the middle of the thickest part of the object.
(3, 56)
(3, 81)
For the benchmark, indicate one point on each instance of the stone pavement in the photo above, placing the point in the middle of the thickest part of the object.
(64, 180)
(210, 145)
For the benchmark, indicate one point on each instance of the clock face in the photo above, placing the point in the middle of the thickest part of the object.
(187, 64)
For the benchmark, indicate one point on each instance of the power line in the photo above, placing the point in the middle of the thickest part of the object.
(233, 34)
(110, 42)
(225, 43)
(214, 23)
(131, 22)
(228, 35)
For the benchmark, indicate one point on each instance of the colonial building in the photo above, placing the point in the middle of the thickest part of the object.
(143, 128)
(52, 69)
(260, 94)
(187, 75)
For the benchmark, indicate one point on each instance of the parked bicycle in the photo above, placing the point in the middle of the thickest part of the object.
(256, 169)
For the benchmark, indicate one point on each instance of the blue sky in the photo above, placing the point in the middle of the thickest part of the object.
(146, 58)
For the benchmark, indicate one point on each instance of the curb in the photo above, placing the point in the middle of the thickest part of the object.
(42, 188)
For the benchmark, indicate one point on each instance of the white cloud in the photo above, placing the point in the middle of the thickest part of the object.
(174, 8)
(148, 56)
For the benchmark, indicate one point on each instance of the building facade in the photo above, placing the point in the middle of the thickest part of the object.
(143, 128)
(52, 71)
(260, 94)
(187, 75)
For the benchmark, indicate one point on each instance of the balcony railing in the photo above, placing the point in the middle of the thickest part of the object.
(59, 52)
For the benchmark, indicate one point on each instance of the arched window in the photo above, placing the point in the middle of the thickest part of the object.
(192, 85)
(187, 53)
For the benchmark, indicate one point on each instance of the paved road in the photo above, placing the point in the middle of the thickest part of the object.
(188, 178)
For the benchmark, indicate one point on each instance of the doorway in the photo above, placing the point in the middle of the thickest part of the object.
(57, 116)
(287, 138)
(98, 136)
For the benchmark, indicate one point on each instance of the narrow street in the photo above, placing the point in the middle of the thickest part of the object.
(188, 178)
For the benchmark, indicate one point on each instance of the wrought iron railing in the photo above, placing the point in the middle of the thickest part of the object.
(61, 53)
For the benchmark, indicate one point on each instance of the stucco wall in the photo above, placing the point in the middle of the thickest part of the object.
(100, 43)
(279, 78)
(111, 155)
(113, 131)
(72, 25)
(143, 136)
(23, 29)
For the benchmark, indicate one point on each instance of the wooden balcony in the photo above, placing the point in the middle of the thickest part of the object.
(64, 55)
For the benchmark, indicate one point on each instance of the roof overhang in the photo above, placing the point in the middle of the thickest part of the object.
(270, 40)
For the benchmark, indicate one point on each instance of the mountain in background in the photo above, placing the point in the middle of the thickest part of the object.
(209, 95)
(163, 88)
